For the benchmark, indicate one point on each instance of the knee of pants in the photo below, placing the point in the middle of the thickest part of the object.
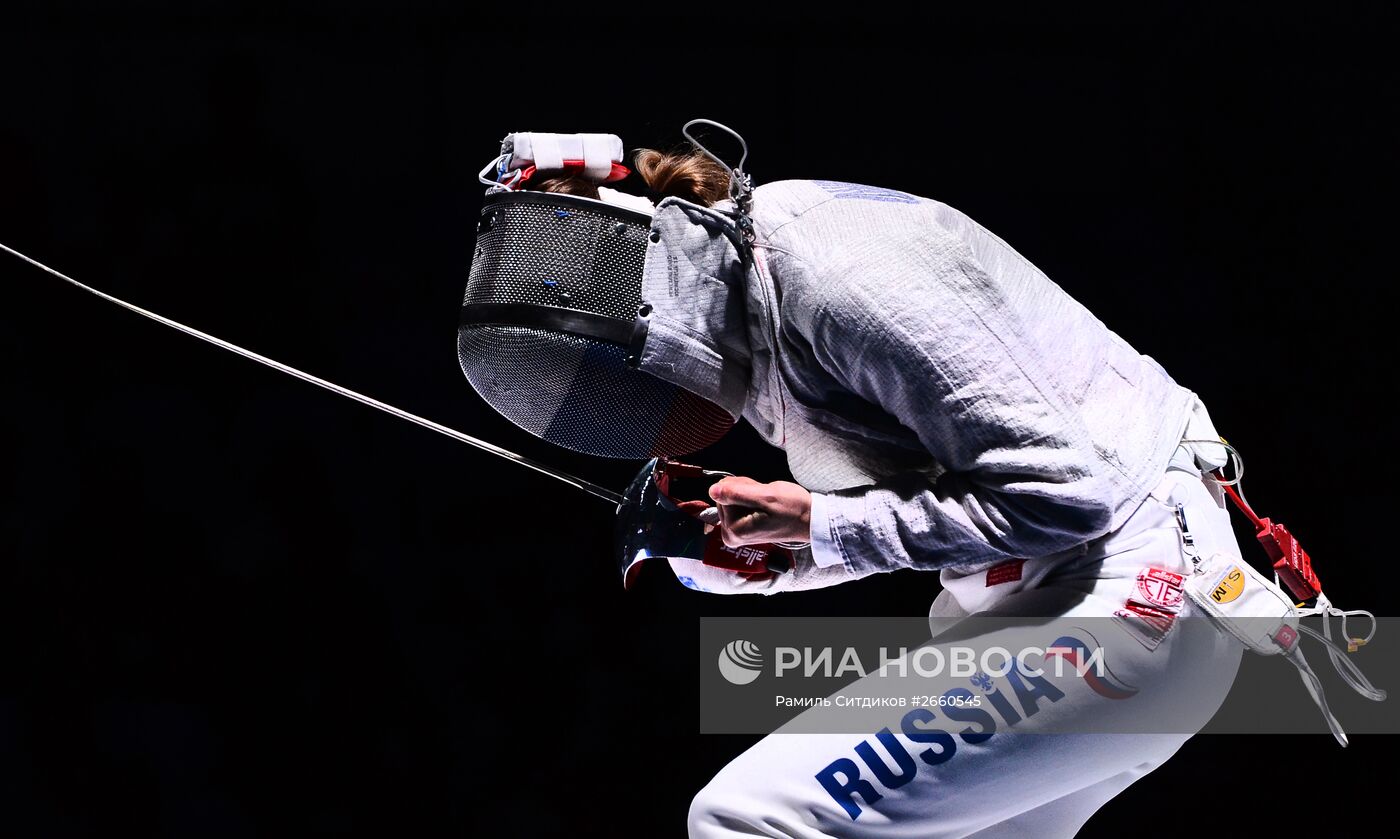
(715, 812)
(754, 796)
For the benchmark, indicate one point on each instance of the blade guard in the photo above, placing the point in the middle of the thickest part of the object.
(651, 524)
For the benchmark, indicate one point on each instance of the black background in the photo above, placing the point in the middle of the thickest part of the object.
(234, 604)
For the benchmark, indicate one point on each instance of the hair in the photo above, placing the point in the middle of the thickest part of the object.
(685, 173)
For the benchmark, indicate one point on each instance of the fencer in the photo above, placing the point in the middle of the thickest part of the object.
(943, 405)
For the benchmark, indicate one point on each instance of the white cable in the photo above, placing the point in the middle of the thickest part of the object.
(1324, 607)
(1350, 639)
(1240, 490)
(1346, 668)
(586, 486)
(496, 186)
(1349, 672)
(1314, 686)
(1234, 457)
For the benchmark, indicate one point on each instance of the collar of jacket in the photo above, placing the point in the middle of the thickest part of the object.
(694, 278)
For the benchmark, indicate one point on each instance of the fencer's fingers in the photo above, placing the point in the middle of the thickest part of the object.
(752, 512)
(709, 515)
(742, 525)
(722, 489)
(741, 491)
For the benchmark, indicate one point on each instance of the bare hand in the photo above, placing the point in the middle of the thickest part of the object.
(752, 513)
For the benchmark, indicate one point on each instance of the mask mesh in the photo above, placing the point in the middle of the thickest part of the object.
(574, 391)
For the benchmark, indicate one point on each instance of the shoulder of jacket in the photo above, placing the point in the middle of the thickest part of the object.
(779, 202)
(837, 221)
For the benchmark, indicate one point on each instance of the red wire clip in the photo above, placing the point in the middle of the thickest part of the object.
(1291, 562)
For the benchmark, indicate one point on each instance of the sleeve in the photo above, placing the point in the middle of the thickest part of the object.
(806, 575)
(920, 330)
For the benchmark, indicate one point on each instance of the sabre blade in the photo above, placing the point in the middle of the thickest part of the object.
(579, 483)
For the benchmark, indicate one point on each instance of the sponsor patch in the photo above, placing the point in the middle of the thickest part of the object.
(861, 192)
(1090, 666)
(1229, 587)
(1007, 572)
(689, 582)
(1286, 637)
(1148, 624)
(1160, 588)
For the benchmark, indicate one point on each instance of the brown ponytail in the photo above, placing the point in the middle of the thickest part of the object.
(567, 184)
(690, 175)
(684, 174)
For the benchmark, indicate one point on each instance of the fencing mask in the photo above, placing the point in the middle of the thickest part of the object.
(553, 307)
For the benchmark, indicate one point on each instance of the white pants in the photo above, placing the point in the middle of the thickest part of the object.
(1014, 782)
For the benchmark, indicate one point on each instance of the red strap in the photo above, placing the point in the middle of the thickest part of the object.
(1244, 508)
(693, 508)
(618, 172)
(1290, 561)
(747, 559)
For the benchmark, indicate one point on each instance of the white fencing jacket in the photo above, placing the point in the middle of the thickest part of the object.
(947, 405)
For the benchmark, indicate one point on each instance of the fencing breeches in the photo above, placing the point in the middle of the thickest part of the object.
(1010, 781)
